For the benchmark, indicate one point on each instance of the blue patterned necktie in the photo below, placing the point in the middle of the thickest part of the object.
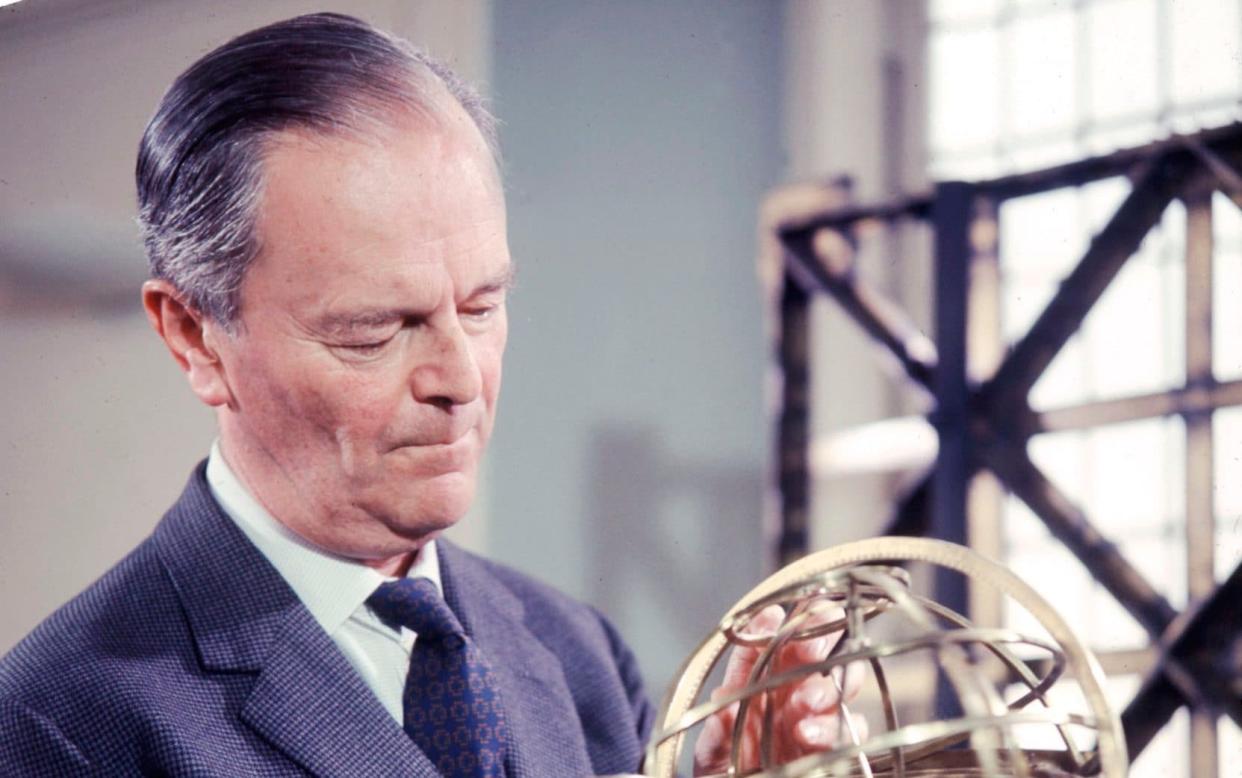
(451, 704)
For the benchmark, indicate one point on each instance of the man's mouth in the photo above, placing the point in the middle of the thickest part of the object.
(442, 454)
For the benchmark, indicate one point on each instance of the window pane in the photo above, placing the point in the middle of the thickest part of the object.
(1102, 199)
(1065, 381)
(1042, 84)
(1227, 437)
(1132, 333)
(1168, 753)
(1028, 154)
(1227, 445)
(1207, 59)
(964, 90)
(1229, 746)
(1227, 314)
(1108, 138)
(1041, 236)
(1064, 591)
(1226, 222)
(1228, 550)
(1132, 487)
(1065, 457)
(975, 165)
(959, 11)
(1227, 289)
(1034, 6)
(1122, 77)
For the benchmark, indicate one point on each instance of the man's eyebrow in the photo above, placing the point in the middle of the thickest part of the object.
(342, 323)
(502, 282)
(339, 323)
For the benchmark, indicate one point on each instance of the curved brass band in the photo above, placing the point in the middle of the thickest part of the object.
(703, 711)
(859, 577)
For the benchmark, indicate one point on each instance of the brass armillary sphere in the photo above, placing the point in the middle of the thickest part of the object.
(867, 589)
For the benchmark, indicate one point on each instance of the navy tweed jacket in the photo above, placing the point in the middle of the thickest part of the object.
(193, 657)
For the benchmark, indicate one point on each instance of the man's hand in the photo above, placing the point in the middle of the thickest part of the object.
(806, 716)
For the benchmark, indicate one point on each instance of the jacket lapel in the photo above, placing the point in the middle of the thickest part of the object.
(307, 700)
(543, 720)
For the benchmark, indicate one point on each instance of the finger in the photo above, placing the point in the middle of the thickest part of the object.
(800, 652)
(715, 741)
(742, 659)
(814, 695)
(860, 727)
(852, 684)
(713, 747)
(819, 733)
(711, 750)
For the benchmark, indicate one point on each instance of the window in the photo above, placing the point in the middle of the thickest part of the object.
(1024, 84)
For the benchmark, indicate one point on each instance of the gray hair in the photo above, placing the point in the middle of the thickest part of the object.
(199, 170)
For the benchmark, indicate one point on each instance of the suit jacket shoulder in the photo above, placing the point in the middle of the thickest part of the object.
(87, 661)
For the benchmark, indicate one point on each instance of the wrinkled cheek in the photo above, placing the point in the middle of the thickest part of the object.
(295, 417)
(353, 419)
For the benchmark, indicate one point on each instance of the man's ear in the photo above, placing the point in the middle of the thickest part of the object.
(190, 337)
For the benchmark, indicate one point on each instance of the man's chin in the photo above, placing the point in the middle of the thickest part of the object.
(434, 507)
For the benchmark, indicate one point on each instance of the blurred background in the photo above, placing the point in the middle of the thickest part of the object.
(633, 460)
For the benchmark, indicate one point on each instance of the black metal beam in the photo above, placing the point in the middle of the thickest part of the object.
(916, 207)
(1221, 141)
(913, 514)
(877, 316)
(794, 423)
(1225, 172)
(952, 214)
(1201, 646)
(1080, 290)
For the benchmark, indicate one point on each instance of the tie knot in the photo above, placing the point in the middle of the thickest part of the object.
(415, 603)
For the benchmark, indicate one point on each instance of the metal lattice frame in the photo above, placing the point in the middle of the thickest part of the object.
(985, 425)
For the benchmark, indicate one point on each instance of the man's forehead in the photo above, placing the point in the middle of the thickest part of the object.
(446, 135)
(353, 232)
(407, 177)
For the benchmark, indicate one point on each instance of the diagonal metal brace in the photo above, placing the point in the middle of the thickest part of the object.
(882, 320)
(1080, 290)
(1199, 642)
(1014, 468)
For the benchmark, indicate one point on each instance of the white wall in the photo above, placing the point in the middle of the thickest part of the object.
(631, 446)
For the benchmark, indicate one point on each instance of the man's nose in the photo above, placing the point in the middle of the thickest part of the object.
(447, 373)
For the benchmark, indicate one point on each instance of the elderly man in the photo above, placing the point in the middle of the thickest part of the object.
(325, 226)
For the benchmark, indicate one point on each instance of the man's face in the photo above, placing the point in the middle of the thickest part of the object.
(366, 371)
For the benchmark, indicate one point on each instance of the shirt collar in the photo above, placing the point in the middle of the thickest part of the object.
(330, 586)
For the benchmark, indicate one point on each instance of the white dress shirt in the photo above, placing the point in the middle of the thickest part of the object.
(334, 589)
